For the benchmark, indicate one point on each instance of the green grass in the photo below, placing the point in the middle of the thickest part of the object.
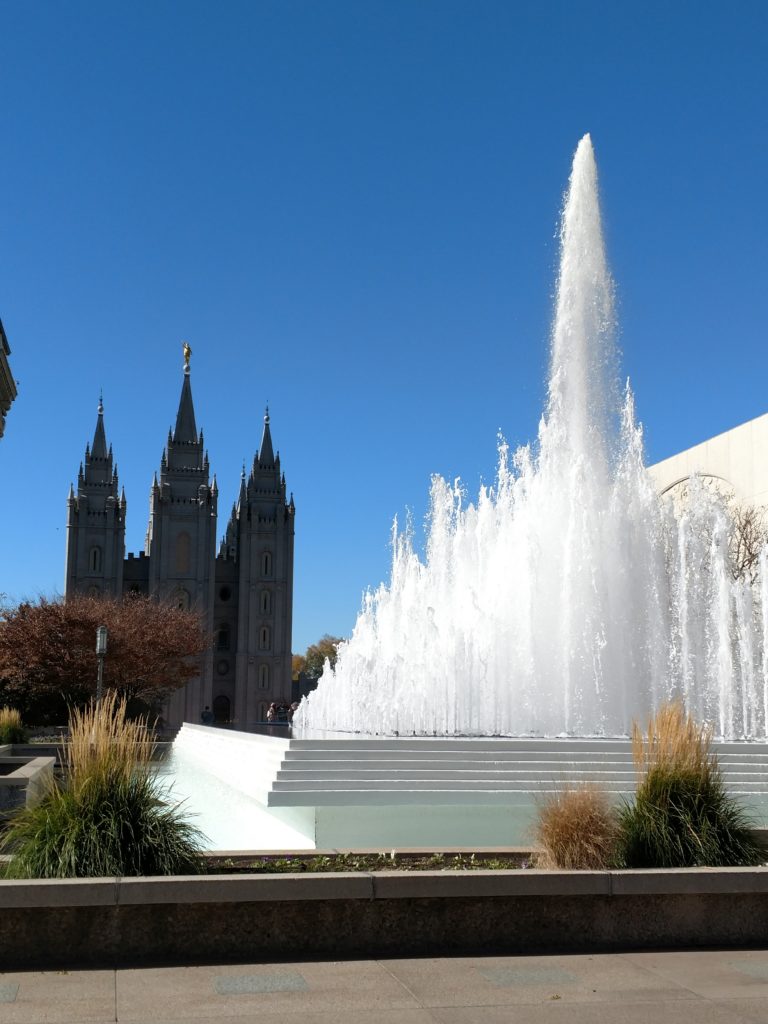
(681, 815)
(116, 826)
(107, 817)
(312, 863)
(11, 728)
(576, 829)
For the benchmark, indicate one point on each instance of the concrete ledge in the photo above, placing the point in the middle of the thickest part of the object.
(475, 884)
(142, 921)
(687, 881)
(245, 888)
(50, 893)
(377, 885)
(27, 783)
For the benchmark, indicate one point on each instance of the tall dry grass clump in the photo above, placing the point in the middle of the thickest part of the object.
(11, 727)
(681, 815)
(103, 742)
(108, 816)
(672, 740)
(577, 828)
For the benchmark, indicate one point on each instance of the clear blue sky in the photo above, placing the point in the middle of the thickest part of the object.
(349, 209)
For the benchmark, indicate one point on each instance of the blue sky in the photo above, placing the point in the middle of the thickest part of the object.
(349, 209)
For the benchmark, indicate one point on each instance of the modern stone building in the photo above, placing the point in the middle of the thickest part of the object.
(734, 462)
(244, 591)
(7, 383)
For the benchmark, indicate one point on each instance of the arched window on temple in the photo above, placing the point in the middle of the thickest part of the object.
(94, 559)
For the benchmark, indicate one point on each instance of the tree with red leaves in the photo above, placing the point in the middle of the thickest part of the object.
(48, 652)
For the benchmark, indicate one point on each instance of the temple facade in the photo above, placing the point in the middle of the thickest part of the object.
(243, 589)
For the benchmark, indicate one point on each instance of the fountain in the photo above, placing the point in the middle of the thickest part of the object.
(569, 600)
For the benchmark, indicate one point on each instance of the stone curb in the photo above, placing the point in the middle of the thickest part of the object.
(114, 922)
(379, 885)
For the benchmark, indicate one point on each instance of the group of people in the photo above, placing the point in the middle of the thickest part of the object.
(281, 712)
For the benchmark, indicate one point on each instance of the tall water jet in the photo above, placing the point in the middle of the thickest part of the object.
(569, 599)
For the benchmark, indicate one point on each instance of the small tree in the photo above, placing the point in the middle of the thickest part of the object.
(749, 534)
(298, 665)
(314, 659)
(48, 656)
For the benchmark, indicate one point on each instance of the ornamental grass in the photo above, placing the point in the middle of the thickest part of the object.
(11, 728)
(681, 815)
(576, 829)
(107, 817)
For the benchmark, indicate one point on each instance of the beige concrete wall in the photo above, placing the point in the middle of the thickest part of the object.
(736, 462)
(111, 922)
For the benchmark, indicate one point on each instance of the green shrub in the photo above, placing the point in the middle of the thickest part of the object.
(107, 817)
(576, 829)
(11, 729)
(681, 815)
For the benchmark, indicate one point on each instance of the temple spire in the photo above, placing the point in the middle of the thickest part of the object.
(186, 429)
(266, 454)
(99, 447)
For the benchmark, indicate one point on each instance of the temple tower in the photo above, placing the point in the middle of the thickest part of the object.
(181, 538)
(259, 541)
(245, 594)
(96, 523)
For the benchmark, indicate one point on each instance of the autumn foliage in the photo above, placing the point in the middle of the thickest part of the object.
(312, 662)
(48, 652)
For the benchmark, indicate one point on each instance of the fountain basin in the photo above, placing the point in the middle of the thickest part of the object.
(23, 780)
(343, 791)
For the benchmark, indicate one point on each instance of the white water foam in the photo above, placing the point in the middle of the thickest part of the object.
(569, 599)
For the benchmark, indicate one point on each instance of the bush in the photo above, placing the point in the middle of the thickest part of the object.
(577, 829)
(682, 815)
(107, 818)
(11, 729)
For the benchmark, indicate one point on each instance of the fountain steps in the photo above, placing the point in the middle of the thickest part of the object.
(447, 771)
(296, 780)
(726, 753)
(469, 764)
(337, 793)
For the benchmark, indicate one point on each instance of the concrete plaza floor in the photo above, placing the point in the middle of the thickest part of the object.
(723, 987)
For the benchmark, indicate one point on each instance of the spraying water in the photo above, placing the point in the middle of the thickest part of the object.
(569, 599)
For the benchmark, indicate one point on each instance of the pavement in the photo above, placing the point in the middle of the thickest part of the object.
(713, 987)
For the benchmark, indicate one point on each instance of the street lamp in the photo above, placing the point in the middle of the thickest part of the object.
(101, 650)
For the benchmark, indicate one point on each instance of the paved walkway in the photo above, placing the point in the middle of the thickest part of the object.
(631, 988)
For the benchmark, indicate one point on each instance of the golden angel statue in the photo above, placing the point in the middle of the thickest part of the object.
(187, 353)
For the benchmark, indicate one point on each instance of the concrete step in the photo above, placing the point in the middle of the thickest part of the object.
(503, 744)
(502, 799)
(476, 768)
(502, 757)
(459, 742)
(402, 775)
(459, 764)
(527, 785)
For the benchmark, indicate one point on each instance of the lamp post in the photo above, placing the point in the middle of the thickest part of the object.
(101, 650)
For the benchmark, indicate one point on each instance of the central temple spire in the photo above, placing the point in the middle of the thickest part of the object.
(99, 446)
(266, 453)
(186, 429)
